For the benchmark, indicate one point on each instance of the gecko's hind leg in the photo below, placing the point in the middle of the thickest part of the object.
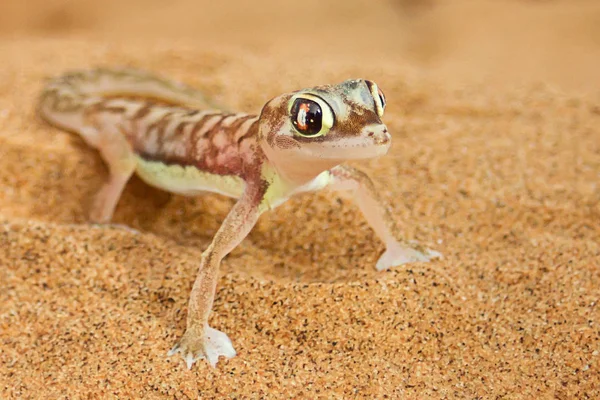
(120, 160)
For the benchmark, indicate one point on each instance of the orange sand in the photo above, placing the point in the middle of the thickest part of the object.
(495, 112)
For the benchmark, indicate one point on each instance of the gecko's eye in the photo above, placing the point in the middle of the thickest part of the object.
(382, 100)
(310, 115)
(307, 117)
(378, 97)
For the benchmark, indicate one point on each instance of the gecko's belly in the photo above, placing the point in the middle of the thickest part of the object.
(187, 180)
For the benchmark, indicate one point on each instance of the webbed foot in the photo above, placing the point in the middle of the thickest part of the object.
(208, 343)
(397, 255)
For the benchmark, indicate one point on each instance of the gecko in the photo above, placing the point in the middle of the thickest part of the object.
(176, 139)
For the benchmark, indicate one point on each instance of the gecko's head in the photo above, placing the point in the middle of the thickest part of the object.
(336, 123)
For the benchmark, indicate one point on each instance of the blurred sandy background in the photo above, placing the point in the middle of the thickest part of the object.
(495, 111)
(504, 40)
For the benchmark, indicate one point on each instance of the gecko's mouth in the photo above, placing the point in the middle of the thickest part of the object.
(373, 142)
(352, 150)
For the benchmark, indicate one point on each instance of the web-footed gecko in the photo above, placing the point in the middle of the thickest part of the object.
(174, 139)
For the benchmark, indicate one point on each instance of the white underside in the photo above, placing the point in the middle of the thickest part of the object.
(191, 181)
(187, 180)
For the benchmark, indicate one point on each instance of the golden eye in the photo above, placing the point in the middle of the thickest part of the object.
(378, 97)
(310, 115)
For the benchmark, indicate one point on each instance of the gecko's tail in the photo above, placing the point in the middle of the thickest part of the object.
(61, 103)
(65, 97)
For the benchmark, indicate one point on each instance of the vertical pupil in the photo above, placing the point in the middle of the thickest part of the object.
(307, 116)
(381, 98)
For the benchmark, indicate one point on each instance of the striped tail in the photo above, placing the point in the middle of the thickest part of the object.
(63, 99)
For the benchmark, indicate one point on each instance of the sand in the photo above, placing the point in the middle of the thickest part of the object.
(495, 114)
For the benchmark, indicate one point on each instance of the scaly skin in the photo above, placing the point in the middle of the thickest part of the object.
(174, 139)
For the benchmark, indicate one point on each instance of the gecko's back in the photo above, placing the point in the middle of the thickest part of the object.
(172, 130)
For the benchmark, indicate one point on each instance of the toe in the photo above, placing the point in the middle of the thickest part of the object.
(431, 254)
(212, 356)
(189, 360)
(173, 350)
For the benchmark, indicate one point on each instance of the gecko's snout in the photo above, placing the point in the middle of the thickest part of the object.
(379, 135)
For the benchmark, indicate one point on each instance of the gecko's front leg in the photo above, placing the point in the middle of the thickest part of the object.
(397, 252)
(200, 340)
